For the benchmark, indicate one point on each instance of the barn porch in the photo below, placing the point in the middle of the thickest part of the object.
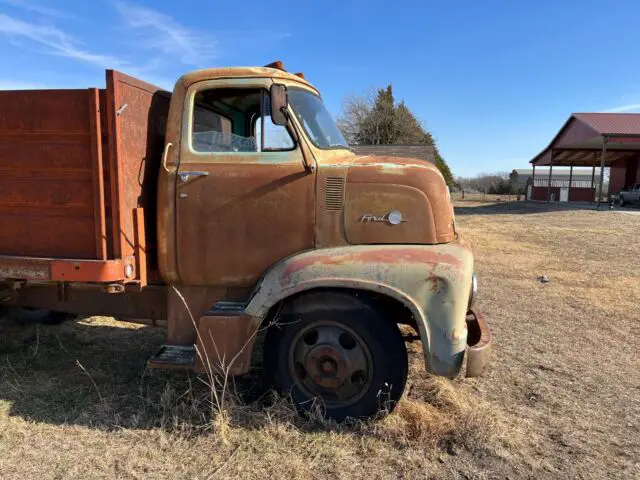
(596, 140)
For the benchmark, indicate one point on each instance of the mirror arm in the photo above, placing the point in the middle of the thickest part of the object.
(307, 158)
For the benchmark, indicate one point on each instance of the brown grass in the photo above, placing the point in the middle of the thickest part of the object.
(561, 398)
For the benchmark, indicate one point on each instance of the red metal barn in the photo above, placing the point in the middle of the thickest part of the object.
(589, 140)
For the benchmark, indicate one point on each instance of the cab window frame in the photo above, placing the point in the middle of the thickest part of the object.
(260, 117)
(251, 117)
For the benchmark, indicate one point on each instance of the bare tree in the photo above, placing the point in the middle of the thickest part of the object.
(356, 109)
(375, 119)
(499, 183)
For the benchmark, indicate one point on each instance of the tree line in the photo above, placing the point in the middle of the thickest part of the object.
(494, 183)
(377, 119)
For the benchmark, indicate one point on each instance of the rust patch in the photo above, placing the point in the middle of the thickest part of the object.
(136, 138)
(299, 264)
(225, 343)
(434, 283)
(10, 268)
(61, 270)
(458, 334)
(237, 203)
(363, 199)
(479, 342)
(372, 256)
(408, 172)
(239, 72)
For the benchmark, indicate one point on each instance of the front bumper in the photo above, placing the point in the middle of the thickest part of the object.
(479, 343)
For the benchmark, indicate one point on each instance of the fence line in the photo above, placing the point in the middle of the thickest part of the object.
(544, 182)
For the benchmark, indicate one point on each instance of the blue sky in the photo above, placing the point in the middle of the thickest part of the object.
(492, 80)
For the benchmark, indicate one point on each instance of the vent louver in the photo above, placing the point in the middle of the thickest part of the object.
(334, 193)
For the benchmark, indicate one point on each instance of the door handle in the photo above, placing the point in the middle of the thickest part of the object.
(165, 155)
(185, 176)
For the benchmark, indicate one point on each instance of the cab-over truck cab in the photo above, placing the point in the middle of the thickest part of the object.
(268, 224)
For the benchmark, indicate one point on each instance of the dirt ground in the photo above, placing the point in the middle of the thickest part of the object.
(561, 398)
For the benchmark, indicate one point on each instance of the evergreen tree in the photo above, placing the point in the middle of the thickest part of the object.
(444, 168)
(379, 120)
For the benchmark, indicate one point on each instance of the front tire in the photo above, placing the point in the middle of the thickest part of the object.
(622, 202)
(334, 350)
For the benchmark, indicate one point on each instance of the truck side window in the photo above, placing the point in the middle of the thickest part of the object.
(276, 137)
(209, 129)
(230, 120)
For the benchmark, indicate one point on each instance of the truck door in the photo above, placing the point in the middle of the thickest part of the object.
(243, 197)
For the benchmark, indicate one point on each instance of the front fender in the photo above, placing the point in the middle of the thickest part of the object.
(433, 281)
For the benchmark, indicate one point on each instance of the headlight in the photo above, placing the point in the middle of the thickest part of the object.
(474, 291)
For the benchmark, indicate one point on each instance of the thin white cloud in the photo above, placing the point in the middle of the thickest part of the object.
(36, 8)
(160, 32)
(634, 107)
(56, 41)
(159, 37)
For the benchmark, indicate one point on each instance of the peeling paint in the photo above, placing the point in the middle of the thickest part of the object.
(430, 280)
(37, 273)
(371, 257)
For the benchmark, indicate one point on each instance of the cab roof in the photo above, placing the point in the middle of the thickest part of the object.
(240, 72)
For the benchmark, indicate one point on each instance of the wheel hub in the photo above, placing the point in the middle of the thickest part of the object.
(326, 366)
(331, 361)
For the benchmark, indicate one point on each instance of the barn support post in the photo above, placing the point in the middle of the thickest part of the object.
(533, 183)
(262, 113)
(570, 179)
(549, 182)
(593, 176)
(604, 152)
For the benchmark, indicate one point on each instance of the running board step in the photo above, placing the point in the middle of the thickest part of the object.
(174, 357)
(227, 309)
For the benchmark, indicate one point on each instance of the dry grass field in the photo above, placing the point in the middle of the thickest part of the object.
(561, 399)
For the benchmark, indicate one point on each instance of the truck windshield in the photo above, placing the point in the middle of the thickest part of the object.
(316, 119)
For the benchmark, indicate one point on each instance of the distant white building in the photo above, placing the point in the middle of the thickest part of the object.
(579, 185)
(520, 176)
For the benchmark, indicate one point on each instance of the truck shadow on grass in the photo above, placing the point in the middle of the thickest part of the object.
(519, 208)
(92, 372)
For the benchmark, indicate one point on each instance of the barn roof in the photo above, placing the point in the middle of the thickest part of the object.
(580, 140)
(611, 123)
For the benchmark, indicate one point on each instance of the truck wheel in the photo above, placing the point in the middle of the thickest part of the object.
(622, 201)
(36, 315)
(335, 351)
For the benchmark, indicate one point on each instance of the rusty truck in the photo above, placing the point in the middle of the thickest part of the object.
(233, 208)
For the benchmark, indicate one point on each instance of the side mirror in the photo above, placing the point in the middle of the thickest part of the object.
(279, 102)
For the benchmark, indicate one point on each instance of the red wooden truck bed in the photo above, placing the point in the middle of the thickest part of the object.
(78, 175)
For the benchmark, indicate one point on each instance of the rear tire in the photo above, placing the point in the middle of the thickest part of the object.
(332, 350)
(41, 316)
